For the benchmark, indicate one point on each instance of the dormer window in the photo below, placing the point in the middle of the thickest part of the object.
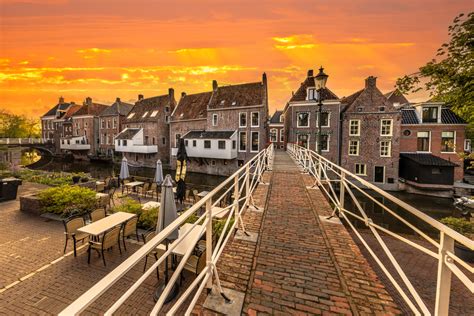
(282, 119)
(234, 103)
(145, 114)
(312, 95)
(154, 113)
(131, 115)
(430, 114)
(222, 102)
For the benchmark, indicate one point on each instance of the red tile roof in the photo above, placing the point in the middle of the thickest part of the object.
(239, 95)
(192, 106)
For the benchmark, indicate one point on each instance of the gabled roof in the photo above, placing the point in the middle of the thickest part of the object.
(350, 99)
(118, 108)
(192, 106)
(428, 159)
(396, 96)
(301, 93)
(149, 105)
(239, 95)
(449, 117)
(90, 109)
(409, 116)
(71, 110)
(370, 98)
(209, 134)
(60, 107)
(128, 133)
(275, 119)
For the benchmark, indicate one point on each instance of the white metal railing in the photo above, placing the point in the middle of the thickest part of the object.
(23, 141)
(241, 185)
(331, 178)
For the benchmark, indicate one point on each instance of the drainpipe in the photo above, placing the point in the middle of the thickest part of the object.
(339, 137)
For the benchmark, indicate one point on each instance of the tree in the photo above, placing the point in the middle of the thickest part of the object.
(20, 126)
(451, 78)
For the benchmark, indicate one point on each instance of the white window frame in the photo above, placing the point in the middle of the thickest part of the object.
(358, 147)
(251, 119)
(246, 141)
(298, 121)
(429, 142)
(154, 113)
(360, 165)
(282, 135)
(114, 122)
(454, 144)
(467, 145)
(389, 149)
(276, 135)
(215, 119)
(358, 127)
(251, 143)
(204, 144)
(329, 119)
(384, 174)
(391, 127)
(314, 92)
(329, 142)
(244, 114)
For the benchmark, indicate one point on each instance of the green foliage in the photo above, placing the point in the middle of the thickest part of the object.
(67, 200)
(146, 218)
(218, 226)
(460, 225)
(18, 126)
(43, 177)
(451, 78)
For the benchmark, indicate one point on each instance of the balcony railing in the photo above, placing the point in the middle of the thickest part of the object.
(25, 141)
(141, 149)
(340, 185)
(241, 185)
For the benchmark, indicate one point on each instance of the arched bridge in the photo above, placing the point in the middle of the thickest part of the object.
(46, 146)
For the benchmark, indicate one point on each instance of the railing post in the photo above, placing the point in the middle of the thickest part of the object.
(443, 286)
(319, 168)
(342, 190)
(209, 239)
(247, 185)
(236, 199)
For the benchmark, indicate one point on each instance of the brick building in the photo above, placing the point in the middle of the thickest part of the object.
(431, 137)
(145, 135)
(276, 130)
(301, 119)
(370, 136)
(67, 123)
(85, 130)
(110, 125)
(52, 121)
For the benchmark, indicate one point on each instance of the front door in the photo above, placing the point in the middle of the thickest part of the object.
(303, 140)
(379, 174)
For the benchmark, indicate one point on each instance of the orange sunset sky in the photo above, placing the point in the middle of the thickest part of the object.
(107, 49)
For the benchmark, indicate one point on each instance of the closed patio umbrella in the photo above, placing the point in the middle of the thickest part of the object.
(159, 173)
(167, 215)
(181, 158)
(124, 173)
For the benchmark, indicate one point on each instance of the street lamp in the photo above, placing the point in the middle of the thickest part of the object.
(320, 84)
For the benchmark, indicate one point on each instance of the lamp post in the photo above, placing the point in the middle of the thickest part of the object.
(320, 84)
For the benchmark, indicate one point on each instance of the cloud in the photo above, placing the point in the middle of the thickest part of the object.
(93, 50)
(301, 41)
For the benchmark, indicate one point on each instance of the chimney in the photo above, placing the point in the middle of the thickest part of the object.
(73, 103)
(171, 93)
(310, 73)
(264, 79)
(61, 100)
(371, 81)
(88, 101)
(117, 100)
(183, 94)
(140, 97)
(214, 85)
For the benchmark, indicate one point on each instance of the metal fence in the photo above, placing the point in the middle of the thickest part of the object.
(339, 185)
(241, 185)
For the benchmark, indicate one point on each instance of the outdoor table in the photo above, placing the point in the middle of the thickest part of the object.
(203, 193)
(106, 223)
(189, 241)
(219, 213)
(150, 205)
(133, 185)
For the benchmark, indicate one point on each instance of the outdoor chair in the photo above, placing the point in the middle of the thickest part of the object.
(71, 232)
(187, 196)
(97, 214)
(129, 228)
(144, 189)
(197, 261)
(100, 187)
(197, 198)
(109, 240)
(111, 196)
(124, 182)
(152, 190)
(156, 253)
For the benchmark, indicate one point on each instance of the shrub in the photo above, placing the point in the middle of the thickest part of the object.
(146, 218)
(48, 178)
(67, 200)
(460, 225)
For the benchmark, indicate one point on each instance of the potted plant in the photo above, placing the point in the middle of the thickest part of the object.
(466, 228)
(76, 178)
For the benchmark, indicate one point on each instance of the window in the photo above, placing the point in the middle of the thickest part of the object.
(448, 142)
(255, 119)
(221, 144)
(243, 141)
(163, 140)
(177, 138)
(312, 94)
(214, 119)
(234, 144)
(360, 169)
(186, 143)
(167, 119)
(194, 143)
(379, 174)
(385, 148)
(146, 140)
(386, 127)
(302, 119)
(86, 124)
(282, 136)
(154, 113)
(354, 128)
(273, 135)
(153, 140)
(213, 163)
(423, 141)
(145, 114)
(324, 143)
(108, 123)
(114, 123)
(467, 145)
(242, 119)
(102, 139)
(124, 142)
(131, 115)
(102, 123)
(207, 144)
(167, 109)
(353, 148)
(406, 132)
(303, 140)
(324, 119)
(255, 141)
(430, 114)
(282, 118)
